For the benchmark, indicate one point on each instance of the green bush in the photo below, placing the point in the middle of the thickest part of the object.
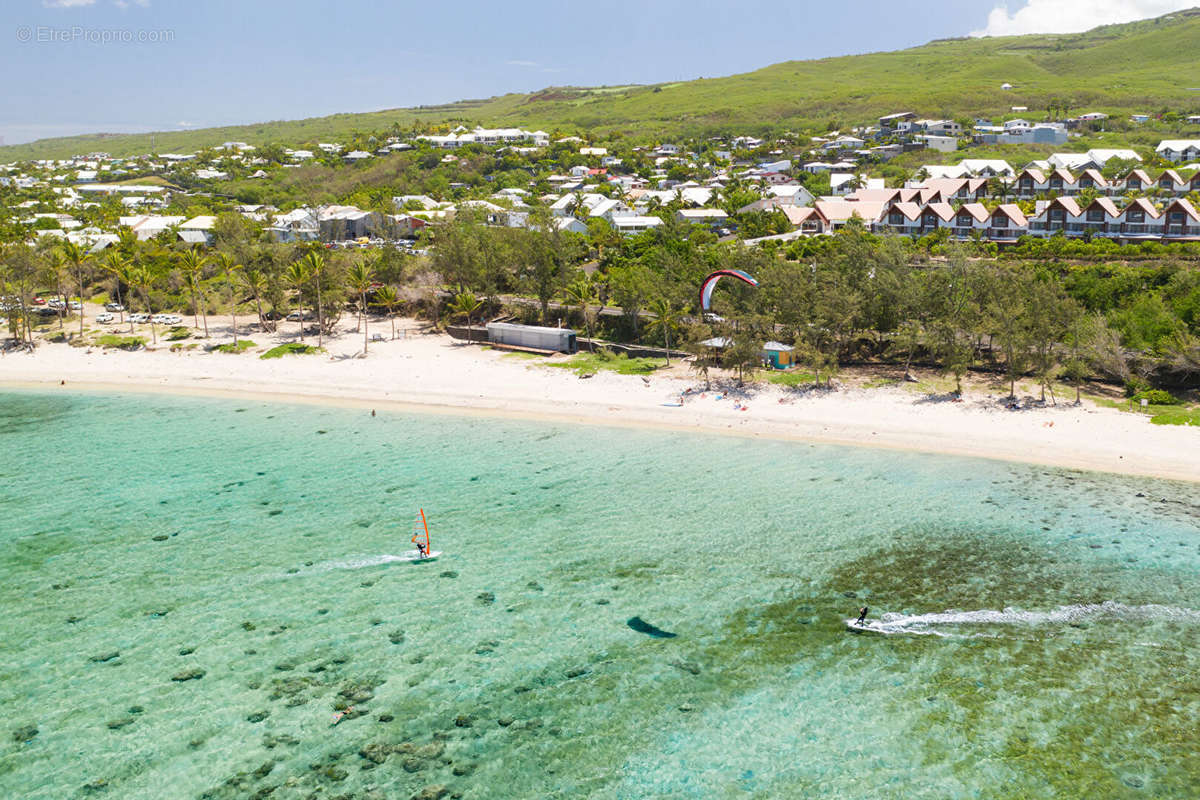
(229, 347)
(177, 333)
(293, 349)
(1135, 385)
(121, 342)
(1156, 397)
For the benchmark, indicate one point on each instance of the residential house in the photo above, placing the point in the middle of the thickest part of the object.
(1102, 218)
(1136, 181)
(942, 144)
(1031, 182)
(1092, 179)
(630, 225)
(1060, 215)
(836, 213)
(1140, 220)
(198, 230)
(712, 217)
(1169, 182)
(1007, 223)
(299, 225)
(147, 226)
(340, 223)
(804, 220)
(570, 225)
(969, 218)
(1179, 150)
(1181, 221)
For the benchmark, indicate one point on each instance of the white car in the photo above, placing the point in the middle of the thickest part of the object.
(171, 319)
(75, 305)
(113, 307)
(104, 318)
(139, 318)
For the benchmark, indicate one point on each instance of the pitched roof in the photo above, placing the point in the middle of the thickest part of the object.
(1106, 203)
(943, 210)
(1145, 205)
(976, 210)
(1013, 212)
(1184, 206)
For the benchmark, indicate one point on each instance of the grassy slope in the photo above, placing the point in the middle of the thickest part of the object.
(1143, 66)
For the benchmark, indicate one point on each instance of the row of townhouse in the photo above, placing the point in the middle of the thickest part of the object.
(1033, 182)
(1138, 221)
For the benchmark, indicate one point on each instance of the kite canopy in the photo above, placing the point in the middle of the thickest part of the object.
(710, 283)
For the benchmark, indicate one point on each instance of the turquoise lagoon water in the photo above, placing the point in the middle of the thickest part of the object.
(1045, 622)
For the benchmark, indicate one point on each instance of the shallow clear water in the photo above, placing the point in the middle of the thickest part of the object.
(507, 667)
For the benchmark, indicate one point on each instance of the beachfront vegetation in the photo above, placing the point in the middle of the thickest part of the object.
(120, 342)
(605, 360)
(240, 346)
(1127, 315)
(292, 349)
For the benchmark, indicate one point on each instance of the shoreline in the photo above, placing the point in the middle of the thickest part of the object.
(626, 417)
(426, 373)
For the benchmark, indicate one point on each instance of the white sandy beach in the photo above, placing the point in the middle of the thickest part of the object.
(432, 372)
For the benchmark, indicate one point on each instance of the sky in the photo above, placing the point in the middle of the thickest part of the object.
(84, 66)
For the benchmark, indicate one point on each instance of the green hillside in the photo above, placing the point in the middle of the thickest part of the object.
(1145, 66)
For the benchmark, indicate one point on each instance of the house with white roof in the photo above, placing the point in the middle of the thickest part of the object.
(1179, 150)
(635, 224)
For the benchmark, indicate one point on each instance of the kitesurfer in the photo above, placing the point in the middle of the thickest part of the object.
(862, 616)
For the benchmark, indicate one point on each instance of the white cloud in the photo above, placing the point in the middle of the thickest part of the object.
(67, 3)
(519, 63)
(1073, 16)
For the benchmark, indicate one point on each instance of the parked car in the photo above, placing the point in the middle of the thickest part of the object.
(104, 318)
(55, 303)
(37, 301)
(299, 316)
(171, 319)
(139, 318)
(75, 305)
(113, 307)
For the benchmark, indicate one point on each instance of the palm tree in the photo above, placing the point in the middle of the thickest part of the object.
(143, 278)
(228, 265)
(78, 259)
(314, 266)
(465, 302)
(118, 266)
(389, 299)
(580, 292)
(360, 277)
(255, 283)
(191, 264)
(297, 276)
(666, 317)
(53, 273)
